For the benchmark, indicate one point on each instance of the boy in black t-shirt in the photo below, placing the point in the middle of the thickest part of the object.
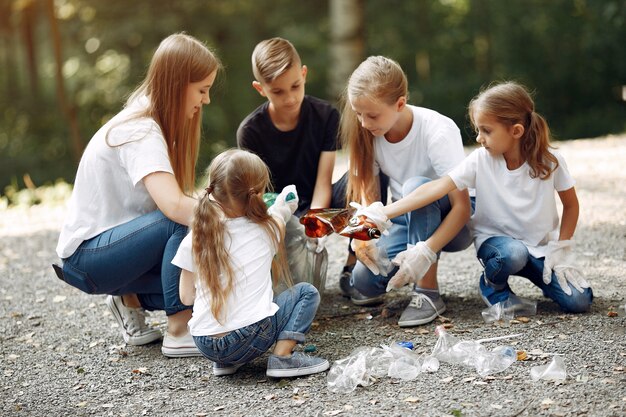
(294, 134)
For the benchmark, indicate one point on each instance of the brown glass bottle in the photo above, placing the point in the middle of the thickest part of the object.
(322, 222)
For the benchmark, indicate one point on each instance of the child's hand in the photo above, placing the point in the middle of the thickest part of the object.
(559, 260)
(373, 257)
(285, 204)
(375, 213)
(414, 263)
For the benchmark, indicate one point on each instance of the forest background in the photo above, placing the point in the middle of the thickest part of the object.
(67, 66)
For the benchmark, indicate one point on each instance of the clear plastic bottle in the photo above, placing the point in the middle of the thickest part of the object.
(495, 361)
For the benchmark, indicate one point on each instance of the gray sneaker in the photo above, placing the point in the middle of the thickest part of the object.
(298, 364)
(348, 291)
(132, 322)
(421, 310)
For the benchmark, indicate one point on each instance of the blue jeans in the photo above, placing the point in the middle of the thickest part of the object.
(297, 308)
(503, 256)
(132, 258)
(410, 228)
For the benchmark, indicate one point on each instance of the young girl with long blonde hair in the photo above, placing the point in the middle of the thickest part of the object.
(411, 145)
(133, 197)
(516, 228)
(226, 263)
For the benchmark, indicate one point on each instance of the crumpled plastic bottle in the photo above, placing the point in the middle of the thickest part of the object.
(472, 354)
(553, 371)
(495, 361)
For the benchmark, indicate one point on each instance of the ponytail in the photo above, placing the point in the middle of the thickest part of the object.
(535, 146)
(210, 254)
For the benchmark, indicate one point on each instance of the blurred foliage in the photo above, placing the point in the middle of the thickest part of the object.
(570, 51)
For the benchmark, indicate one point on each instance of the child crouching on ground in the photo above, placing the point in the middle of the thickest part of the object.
(226, 263)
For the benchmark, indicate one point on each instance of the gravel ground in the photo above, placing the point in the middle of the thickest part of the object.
(61, 353)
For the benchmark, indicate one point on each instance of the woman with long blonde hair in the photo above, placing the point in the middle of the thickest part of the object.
(133, 197)
(226, 263)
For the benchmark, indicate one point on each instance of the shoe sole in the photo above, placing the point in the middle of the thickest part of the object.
(308, 370)
(153, 336)
(367, 302)
(182, 352)
(413, 323)
(226, 371)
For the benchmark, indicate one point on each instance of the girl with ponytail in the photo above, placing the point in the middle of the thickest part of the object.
(228, 261)
(515, 223)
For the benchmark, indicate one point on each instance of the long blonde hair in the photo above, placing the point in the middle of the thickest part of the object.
(511, 103)
(179, 60)
(237, 180)
(379, 79)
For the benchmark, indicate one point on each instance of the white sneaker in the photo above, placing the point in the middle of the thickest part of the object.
(179, 346)
(132, 322)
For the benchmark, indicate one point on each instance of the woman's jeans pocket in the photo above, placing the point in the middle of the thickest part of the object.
(79, 279)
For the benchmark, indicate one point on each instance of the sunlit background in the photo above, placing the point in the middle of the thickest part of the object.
(68, 65)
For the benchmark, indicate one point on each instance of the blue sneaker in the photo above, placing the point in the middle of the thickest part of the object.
(298, 364)
(491, 295)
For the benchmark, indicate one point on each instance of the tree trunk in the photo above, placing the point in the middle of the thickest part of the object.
(347, 41)
(69, 111)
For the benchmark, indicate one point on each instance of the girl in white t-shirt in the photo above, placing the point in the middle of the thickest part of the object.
(132, 197)
(411, 145)
(515, 223)
(226, 263)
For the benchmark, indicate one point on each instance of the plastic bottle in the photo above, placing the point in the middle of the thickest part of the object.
(323, 221)
(495, 361)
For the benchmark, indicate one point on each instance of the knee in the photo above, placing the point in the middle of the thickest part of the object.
(513, 256)
(412, 183)
(577, 302)
(308, 291)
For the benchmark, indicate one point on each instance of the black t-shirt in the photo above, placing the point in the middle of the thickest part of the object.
(292, 157)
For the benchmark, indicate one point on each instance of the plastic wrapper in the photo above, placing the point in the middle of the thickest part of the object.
(553, 371)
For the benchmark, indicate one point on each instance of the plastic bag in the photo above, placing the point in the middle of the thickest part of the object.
(305, 264)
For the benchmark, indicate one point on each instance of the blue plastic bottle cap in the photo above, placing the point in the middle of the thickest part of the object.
(408, 345)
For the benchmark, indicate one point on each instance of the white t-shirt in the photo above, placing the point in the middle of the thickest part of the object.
(431, 149)
(108, 190)
(511, 203)
(251, 252)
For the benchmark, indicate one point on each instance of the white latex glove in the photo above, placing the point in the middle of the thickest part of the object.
(560, 260)
(373, 257)
(374, 212)
(283, 208)
(414, 263)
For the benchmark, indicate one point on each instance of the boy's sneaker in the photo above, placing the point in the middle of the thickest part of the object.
(348, 291)
(132, 322)
(492, 295)
(179, 346)
(298, 364)
(220, 369)
(421, 310)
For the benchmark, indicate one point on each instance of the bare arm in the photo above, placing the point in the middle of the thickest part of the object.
(322, 193)
(422, 196)
(169, 198)
(186, 287)
(569, 219)
(453, 222)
